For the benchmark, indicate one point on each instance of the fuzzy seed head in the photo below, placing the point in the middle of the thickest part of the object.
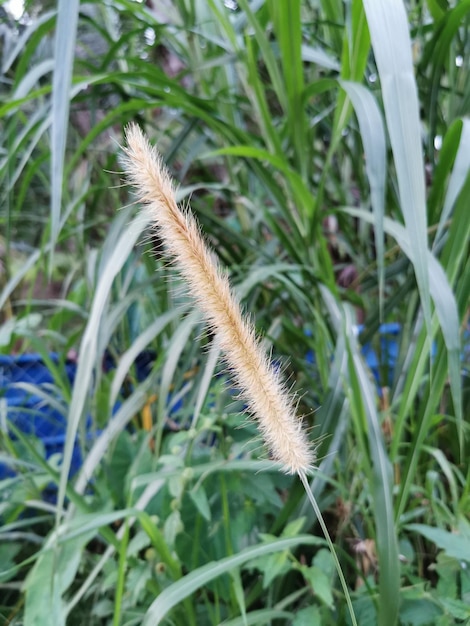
(260, 384)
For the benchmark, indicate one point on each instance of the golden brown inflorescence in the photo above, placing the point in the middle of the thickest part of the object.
(260, 383)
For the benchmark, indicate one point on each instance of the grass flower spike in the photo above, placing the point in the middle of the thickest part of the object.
(260, 384)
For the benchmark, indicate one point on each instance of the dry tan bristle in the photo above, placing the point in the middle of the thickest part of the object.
(260, 384)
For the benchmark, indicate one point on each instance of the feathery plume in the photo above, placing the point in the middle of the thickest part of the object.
(260, 384)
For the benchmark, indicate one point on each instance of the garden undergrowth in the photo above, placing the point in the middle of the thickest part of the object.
(325, 149)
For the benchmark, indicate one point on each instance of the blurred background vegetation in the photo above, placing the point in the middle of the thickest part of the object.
(325, 149)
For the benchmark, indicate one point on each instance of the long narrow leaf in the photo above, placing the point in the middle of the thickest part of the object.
(88, 347)
(288, 25)
(64, 52)
(388, 26)
(373, 140)
(363, 401)
(444, 301)
(458, 177)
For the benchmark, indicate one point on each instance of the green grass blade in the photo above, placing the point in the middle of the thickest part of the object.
(425, 421)
(138, 345)
(458, 177)
(447, 154)
(354, 55)
(382, 480)
(444, 301)
(300, 192)
(438, 53)
(356, 47)
(30, 81)
(389, 31)
(334, 12)
(376, 466)
(175, 349)
(64, 52)
(257, 94)
(319, 56)
(88, 347)
(25, 42)
(288, 26)
(267, 53)
(126, 412)
(205, 382)
(373, 140)
(17, 277)
(331, 547)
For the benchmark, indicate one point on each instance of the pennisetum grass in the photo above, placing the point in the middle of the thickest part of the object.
(261, 385)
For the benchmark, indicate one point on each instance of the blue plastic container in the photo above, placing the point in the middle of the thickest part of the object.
(33, 415)
(383, 366)
(30, 413)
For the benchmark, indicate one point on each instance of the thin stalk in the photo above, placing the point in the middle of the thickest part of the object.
(316, 509)
(121, 575)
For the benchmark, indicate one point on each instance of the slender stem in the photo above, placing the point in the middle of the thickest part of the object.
(121, 575)
(316, 509)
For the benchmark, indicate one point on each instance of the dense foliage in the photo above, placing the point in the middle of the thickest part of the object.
(324, 148)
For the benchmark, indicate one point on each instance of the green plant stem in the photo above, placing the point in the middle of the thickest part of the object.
(226, 515)
(324, 528)
(121, 575)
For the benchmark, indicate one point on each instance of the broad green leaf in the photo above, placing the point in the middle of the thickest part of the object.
(319, 575)
(420, 611)
(175, 593)
(454, 544)
(310, 616)
(458, 609)
(57, 565)
(199, 497)
(47, 581)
